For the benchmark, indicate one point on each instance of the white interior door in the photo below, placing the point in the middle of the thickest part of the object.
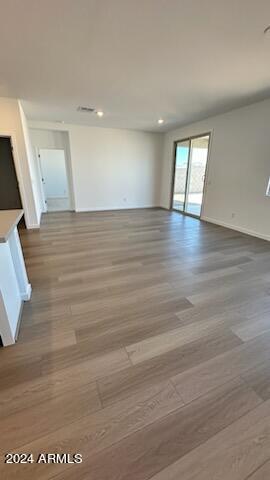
(54, 179)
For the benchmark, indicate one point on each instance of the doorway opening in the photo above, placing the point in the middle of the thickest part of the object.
(190, 164)
(10, 196)
(54, 176)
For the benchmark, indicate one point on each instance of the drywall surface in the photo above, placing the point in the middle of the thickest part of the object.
(114, 168)
(11, 124)
(31, 164)
(238, 168)
(111, 168)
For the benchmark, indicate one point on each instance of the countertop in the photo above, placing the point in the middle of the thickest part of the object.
(8, 220)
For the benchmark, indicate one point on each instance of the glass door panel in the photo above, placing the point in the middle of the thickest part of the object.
(196, 175)
(180, 175)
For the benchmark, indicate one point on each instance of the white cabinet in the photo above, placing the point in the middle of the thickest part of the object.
(14, 285)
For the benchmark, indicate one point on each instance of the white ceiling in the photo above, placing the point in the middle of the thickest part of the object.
(137, 60)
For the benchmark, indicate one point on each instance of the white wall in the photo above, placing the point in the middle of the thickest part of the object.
(11, 124)
(111, 168)
(115, 168)
(238, 169)
(31, 165)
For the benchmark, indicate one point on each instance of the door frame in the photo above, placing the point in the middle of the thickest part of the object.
(43, 198)
(12, 136)
(45, 208)
(189, 139)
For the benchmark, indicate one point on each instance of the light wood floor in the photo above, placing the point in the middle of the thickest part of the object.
(145, 347)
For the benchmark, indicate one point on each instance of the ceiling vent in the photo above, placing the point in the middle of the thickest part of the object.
(85, 109)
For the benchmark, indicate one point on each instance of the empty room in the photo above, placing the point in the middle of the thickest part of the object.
(134, 240)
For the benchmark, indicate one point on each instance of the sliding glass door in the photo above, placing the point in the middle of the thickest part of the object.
(189, 174)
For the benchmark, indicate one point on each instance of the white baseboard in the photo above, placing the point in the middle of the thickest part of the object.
(108, 209)
(27, 294)
(238, 229)
(39, 219)
(33, 226)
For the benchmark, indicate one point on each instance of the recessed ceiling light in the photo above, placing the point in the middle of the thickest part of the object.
(267, 30)
(160, 121)
(99, 113)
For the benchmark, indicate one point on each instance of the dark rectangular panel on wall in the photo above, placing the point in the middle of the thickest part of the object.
(10, 197)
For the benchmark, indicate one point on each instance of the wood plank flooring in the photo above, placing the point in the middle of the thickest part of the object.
(145, 348)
